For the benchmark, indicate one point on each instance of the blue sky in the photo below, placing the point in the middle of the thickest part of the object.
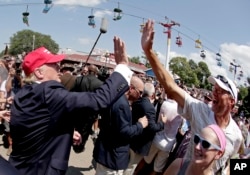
(222, 26)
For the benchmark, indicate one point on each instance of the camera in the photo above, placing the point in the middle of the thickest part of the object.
(18, 63)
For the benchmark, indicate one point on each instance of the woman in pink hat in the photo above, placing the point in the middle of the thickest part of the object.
(209, 146)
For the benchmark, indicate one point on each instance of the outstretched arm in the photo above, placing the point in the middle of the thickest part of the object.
(172, 90)
(121, 59)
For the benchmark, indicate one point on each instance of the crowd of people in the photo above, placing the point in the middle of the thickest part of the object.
(139, 126)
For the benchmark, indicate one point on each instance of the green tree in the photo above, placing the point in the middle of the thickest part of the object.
(190, 72)
(245, 97)
(135, 60)
(25, 40)
(203, 73)
(181, 67)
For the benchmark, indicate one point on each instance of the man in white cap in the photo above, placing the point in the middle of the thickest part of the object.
(42, 113)
(197, 112)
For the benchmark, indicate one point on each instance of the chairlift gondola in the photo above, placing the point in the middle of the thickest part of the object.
(198, 43)
(219, 64)
(218, 56)
(179, 41)
(142, 26)
(25, 17)
(91, 19)
(241, 73)
(231, 68)
(203, 54)
(117, 13)
(48, 5)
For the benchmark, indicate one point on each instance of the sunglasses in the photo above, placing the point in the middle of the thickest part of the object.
(137, 90)
(204, 143)
(225, 81)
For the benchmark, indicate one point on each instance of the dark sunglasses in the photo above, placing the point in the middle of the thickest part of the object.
(137, 90)
(204, 143)
(224, 80)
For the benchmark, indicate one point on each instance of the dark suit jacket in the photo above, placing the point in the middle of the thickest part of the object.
(142, 143)
(116, 129)
(6, 168)
(83, 125)
(41, 123)
(86, 83)
(68, 80)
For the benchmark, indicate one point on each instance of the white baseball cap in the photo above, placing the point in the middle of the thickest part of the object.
(225, 83)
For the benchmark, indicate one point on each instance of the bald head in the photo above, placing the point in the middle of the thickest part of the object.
(93, 69)
(137, 83)
(136, 89)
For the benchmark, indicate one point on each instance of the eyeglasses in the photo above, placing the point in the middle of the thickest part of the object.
(204, 143)
(56, 66)
(225, 81)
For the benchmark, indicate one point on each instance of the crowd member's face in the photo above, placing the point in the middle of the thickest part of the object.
(135, 92)
(222, 101)
(85, 70)
(203, 154)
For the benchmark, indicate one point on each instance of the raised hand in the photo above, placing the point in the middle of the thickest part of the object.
(120, 51)
(147, 36)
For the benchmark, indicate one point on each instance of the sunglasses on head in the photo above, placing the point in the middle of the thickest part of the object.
(204, 143)
(225, 81)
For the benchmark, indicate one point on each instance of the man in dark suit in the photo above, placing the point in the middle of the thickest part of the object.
(111, 151)
(41, 115)
(140, 145)
(67, 77)
(83, 125)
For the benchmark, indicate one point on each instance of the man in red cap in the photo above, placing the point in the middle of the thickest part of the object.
(42, 112)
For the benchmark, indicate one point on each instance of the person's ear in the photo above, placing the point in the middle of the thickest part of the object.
(219, 155)
(38, 73)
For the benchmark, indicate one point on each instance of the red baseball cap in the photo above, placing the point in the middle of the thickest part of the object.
(38, 58)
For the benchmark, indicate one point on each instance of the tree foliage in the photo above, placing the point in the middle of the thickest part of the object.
(190, 73)
(245, 107)
(25, 40)
(135, 60)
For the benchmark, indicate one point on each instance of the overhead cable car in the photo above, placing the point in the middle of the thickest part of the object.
(142, 26)
(25, 17)
(117, 13)
(203, 54)
(218, 56)
(198, 44)
(48, 5)
(179, 41)
(219, 64)
(91, 19)
(231, 68)
(241, 73)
